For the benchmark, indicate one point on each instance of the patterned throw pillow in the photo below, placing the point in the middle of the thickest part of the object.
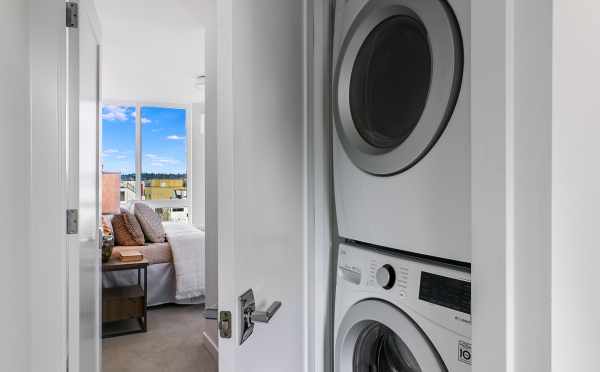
(127, 229)
(151, 223)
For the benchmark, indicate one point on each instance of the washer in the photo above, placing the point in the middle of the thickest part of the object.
(401, 105)
(396, 313)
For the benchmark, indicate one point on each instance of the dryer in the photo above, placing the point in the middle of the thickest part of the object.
(401, 102)
(397, 313)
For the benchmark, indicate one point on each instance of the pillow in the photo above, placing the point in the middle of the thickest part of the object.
(151, 223)
(127, 229)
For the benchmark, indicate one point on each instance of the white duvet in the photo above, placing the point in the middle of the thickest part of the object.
(187, 247)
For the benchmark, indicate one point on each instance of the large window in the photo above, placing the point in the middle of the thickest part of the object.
(164, 153)
(148, 146)
(119, 146)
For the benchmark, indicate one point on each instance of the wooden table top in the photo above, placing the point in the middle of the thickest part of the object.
(115, 264)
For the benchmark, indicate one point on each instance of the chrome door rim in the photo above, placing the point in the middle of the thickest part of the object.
(446, 77)
(363, 314)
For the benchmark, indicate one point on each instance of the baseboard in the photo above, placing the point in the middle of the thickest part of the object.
(210, 346)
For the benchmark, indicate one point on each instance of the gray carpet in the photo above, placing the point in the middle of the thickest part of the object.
(173, 343)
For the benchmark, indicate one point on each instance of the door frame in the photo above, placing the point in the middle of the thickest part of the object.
(496, 27)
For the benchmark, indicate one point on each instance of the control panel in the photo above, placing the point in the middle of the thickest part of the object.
(443, 291)
(438, 292)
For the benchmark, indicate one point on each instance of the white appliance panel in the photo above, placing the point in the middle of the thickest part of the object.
(427, 208)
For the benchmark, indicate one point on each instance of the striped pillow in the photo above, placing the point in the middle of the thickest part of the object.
(151, 223)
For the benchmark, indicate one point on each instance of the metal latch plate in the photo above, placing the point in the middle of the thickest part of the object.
(72, 221)
(225, 324)
(72, 16)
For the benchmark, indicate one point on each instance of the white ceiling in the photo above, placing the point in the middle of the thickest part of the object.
(133, 18)
(153, 50)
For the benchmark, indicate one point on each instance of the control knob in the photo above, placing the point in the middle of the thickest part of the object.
(386, 276)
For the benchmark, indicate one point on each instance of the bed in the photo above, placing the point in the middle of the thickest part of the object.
(177, 267)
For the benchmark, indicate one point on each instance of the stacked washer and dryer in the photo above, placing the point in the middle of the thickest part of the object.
(401, 156)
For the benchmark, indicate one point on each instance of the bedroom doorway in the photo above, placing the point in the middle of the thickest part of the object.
(151, 177)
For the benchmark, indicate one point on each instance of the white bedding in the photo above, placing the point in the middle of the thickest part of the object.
(187, 247)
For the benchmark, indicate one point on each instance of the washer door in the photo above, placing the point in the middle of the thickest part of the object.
(396, 82)
(375, 336)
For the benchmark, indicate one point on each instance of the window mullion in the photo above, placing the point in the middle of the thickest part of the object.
(138, 152)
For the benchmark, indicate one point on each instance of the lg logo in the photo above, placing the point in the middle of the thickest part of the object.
(464, 352)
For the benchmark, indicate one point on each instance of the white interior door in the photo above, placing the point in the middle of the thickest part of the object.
(261, 180)
(83, 183)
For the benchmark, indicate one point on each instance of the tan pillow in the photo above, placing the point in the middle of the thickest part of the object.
(127, 229)
(150, 222)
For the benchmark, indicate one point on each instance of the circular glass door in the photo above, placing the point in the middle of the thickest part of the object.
(390, 81)
(396, 82)
(375, 336)
(379, 349)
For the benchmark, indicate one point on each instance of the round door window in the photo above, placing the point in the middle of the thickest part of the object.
(379, 349)
(390, 81)
(396, 82)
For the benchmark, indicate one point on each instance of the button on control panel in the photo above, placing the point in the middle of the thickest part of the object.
(386, 276)
(351, 274)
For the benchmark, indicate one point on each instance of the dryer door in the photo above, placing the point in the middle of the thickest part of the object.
(396, 82)
(375, 336)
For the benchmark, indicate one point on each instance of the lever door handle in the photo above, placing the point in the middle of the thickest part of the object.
(249, 315)
(265, 316)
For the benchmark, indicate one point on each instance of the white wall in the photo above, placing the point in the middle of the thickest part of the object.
(511, 185)
(576, 187)
(152, 50)
(198, 162)
(490, 268)
(531, 165)
(14, 190)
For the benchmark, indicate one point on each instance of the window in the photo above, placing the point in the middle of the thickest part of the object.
(164, 153)
(148, 146)
(119, 146)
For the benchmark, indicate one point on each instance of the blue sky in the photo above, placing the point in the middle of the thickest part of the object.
(163, 139)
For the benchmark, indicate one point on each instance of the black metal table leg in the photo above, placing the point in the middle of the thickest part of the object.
(145, 299)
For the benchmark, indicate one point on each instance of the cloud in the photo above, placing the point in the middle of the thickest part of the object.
(114, 113)
(133, 114)
(162, 160)
(175, 137)
(109, 152)
(121, 157)
(168, 161)
(146, 121)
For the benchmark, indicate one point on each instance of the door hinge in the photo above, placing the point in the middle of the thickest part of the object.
(72, 14)
(72, 221)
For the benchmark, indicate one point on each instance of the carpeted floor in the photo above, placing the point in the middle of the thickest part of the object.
(173, 343)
